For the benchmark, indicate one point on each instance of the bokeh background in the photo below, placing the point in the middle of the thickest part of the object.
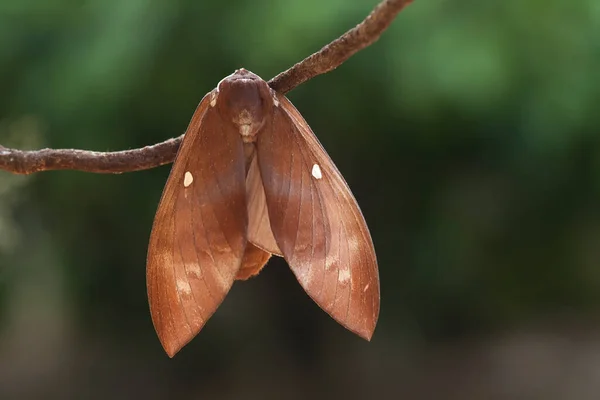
(469, 134)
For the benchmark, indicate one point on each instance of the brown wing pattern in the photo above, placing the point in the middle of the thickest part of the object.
(199, 232)
(317, 222)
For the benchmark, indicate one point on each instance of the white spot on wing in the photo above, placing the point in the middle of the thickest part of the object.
(275, 101)
(344, 275)
(316, 171)
(184, 287)
(213, 97)
(365, 288)
(194, 269)
(187, 179)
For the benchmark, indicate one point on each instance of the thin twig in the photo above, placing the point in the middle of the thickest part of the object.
(28, 162)
(335, 53)
(325, 60)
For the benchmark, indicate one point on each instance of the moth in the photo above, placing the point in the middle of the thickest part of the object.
(251, 180)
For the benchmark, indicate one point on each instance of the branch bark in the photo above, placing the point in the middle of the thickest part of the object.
(28, 162)
(327, 59)
(337, 52)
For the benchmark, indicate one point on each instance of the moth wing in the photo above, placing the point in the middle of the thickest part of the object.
(254, 260)
(317, 223)
(199, 232)
(259, 226)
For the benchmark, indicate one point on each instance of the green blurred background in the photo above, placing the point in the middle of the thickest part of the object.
(468, 133)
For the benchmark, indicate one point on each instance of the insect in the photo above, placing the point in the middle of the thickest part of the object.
(251, 180)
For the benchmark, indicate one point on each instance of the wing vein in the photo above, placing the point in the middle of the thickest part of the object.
(210, 254)
(327, 239)
(299, 207)
(350, 269)
(176, 285)
(323, 213)
(187, 320)
(212, 167)
(171, 319)
(339, 258)
(312, 225)
(186, 272)
(287, 198)
(218, 222)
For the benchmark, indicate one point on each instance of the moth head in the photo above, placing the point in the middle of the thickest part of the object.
(245, 100)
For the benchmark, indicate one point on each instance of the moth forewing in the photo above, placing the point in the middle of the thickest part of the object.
(317, 222)
(199, 232)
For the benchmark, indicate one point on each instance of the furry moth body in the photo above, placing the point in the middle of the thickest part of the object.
(251, 180)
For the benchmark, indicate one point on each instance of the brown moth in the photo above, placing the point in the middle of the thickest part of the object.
(251, 180)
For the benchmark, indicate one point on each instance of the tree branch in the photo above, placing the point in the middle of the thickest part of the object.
(335, 53)
(28, 162)
(327, 59)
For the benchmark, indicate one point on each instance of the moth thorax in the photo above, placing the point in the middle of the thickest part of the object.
(248, 126)
(245, 100)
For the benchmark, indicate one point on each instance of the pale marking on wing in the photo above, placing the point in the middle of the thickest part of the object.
(194, 269)
(316, 171)
(166, 290)
(213, 97)
(343, 275)
(365, 288)
(221, 280)
(185, 270)
(329, 259)
(197, 266)
(188, 178)
(177, 289)
(184, 287)
(353, 243)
